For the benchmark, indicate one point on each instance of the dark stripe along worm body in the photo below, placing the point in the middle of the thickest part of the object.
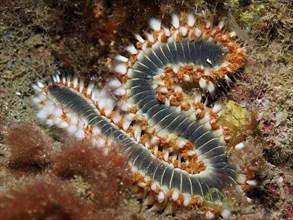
(177, 146)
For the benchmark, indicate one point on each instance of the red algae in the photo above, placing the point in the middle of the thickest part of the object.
(28, 147)
(57, 192)
(105, 174)
(44, 200)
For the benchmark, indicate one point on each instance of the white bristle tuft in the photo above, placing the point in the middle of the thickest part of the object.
(175, 69)
(101, 142)
(228, 80)
(159, 82)
(101, 103)
(120, 91)
(211, 87)
(190, 20)
(240, 146)
(106, 151)
(36, 88)
(226, 214)
(114, 83)
(36, 100)
(233, 34)
(81, 85)
(150, 38)
(166, 154)
(240, 50)
(96, 130)
(197, 32)
(42, 96)
(75, 82)
(175, 195)
(209, 215)
(42, 115)
(121, 58)
(129, 116)
(186, 201)
(221, 24)
(57, 112)
(49, 122)
(49, 107)
(84, 122)
(73, 119)
(202, 83)
(68, 80)
(175, 21)
(126, 106)
(217, 107)
(197, 98)
(58, 122)
(130, 73)
(155, 24)
(110, 106)
(251, 182)
(79, 134)
(163, 90)
(241, 178)
(249, 200)
(190, 153)
(187, 78)
(167, 31)
(126, 123)
(161, 197)
(224, 37)
(181, 142)
(131, 49)
(139, 38)
(62, 124)
(140, 56)
(41, 85)
(120, 68)
(137, 131)
(94, 94)
(183, 31)
(208, 24)
(58, 78)
(117, 117)
(90, 88)
(154, 186)
(71, 129)
(205, 119)
(102, 99)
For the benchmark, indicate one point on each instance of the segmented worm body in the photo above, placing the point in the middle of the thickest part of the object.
(177, 147)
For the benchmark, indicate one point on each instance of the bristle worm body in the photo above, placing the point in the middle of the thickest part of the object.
(177, 146)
